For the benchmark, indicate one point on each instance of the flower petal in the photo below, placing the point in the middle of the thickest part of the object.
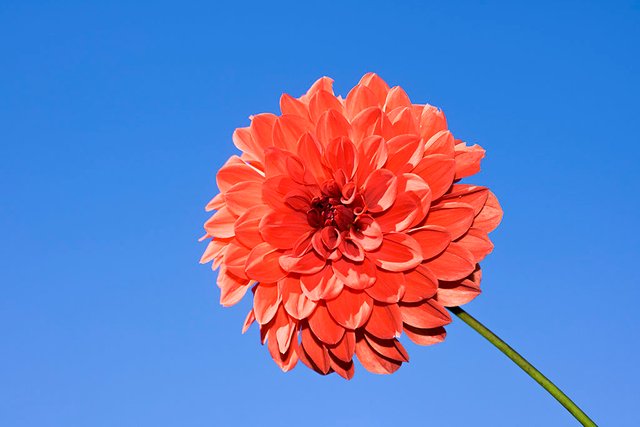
(378, 86)
(441, 143)
(358, 276)
(388, 287)
(432, 121)
(262, 264)
(351, 309)
(220, 225)
(428, 336)
(366, 233)
(315, 350)
(433, 239)
(262, 129)
(331, 125)
(421, 284)
(246, 227)
(455, 217)
(235, 170)
(309, 263)
(402, 213)
(321, 285)
(265, 302)
(437, 170)
(243, 196)
(426, 314)
(232, 288)
(324, 327)
(472, 195)
(341, 154)
(451, 294)
(477, 242)
(379, 190)
(294, 300)
(359, 98)
(373, 361)
(399, 252)
(490, 215)
(405, 152)
(468, 159)
(282, 230)
(385, 321)
(290, 105)
(345, 349)
(455, 263)
(391, 349)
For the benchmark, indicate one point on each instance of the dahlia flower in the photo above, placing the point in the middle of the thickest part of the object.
(348, 220)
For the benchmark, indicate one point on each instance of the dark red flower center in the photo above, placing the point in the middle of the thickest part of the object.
(334, 207)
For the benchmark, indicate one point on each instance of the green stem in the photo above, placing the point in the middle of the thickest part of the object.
(526, 366)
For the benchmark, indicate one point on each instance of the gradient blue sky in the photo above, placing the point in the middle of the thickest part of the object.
(114, 117)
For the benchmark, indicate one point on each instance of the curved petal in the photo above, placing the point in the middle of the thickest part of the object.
(451, 294)
(341, 154)
(309, 263)
(432, 121)
(290, 105)
(472, 195)
(367, 233)
(350, 309)
(378, 86)
(294, 300)
(262, 129)
(282, 230)
(468, 159)
(401, 215)
(345, 349)
(288, 129)
(405, 152)
(232, 288)
(425, 336)
(220, 225)
(437, 170)
(379, 190)
(355, 275)
(396, 97)
(490, 215)
(373, 361)
(332, 125)
(265, 302)
(421, 284)
(441, 143)
(324, 327)
(385, 321)
(388, 287)
(391, 349)
(426, 314)
(321, 285)
(399, 252)
(433, 239)
(455, 263)
(246, 227)
(477, 242)
(315, 350)
(359, 98)
(262, 264)
(243, 196)
(455, 217)
(235, 170)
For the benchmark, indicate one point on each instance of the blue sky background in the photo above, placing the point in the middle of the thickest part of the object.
(114, 117)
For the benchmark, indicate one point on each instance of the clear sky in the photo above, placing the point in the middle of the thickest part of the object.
(114, 117)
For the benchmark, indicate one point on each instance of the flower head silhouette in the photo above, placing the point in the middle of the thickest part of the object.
(347, 220)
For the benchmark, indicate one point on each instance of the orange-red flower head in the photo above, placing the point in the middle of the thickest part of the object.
(347, 220)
